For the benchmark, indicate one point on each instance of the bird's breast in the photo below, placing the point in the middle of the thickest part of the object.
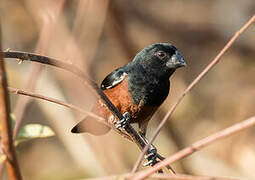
(152, 91)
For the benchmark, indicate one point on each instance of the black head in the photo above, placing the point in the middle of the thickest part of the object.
(161, 59)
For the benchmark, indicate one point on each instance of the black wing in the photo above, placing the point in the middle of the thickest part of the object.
(113, 79)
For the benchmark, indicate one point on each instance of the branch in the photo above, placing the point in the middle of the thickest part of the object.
(56, 101)
(163, 176)
(7, 140)
(187, 177)
(197, 146)
(66, 66)
(194, 82)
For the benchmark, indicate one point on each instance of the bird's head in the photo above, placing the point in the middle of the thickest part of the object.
(161, 59)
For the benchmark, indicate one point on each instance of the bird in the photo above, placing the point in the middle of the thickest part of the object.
(137, 88)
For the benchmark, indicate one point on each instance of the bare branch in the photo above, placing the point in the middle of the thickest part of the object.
(187, 177)
(56, 101)
(197, 146)
(192, 84)
(66, 66)
(163, 176)
(7, 140)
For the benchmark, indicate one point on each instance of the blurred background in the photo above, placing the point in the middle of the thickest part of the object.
(99, 36)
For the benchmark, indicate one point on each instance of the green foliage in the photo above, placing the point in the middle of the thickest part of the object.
(32, 131)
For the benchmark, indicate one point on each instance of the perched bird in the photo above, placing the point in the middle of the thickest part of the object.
(137, 88)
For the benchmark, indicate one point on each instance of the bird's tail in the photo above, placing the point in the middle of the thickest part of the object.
(92, 125)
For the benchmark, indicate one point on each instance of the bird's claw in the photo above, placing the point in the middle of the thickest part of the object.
(148, 163)
(122, 123)
(151, 156)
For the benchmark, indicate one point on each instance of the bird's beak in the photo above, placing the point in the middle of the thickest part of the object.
(176, 61)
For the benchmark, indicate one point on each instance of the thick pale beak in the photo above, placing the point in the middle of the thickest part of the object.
(176, 61)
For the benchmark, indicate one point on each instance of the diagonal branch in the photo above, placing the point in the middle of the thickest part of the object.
(163, 176)
(66, 66)
(194, 82)
(7, 140)
(56, 101)
(197, 146)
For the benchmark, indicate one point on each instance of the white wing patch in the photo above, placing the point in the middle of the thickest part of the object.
(117, 81)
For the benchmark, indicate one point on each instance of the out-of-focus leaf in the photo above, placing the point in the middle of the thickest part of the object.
(32, 131)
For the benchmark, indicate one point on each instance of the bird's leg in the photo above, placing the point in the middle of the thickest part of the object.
(123, 122)
(120, 125)
(123, 126)
(151, 154)
(125, 129)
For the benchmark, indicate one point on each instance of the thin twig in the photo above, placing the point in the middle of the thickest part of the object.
(197, 146)
(56, 101)
(187, 177)
(162, 176)
(7, 140)
(194, 82)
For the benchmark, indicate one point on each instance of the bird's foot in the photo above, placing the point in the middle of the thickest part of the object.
(123, 122)
(151, 156)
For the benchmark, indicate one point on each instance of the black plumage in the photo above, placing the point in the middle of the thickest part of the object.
(148, 75)
(139, 87)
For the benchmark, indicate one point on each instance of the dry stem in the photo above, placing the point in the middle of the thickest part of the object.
(7, 140)
(56, 101)
(163, 176)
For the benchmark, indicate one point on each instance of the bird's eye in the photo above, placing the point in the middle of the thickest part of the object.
(161, 54)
